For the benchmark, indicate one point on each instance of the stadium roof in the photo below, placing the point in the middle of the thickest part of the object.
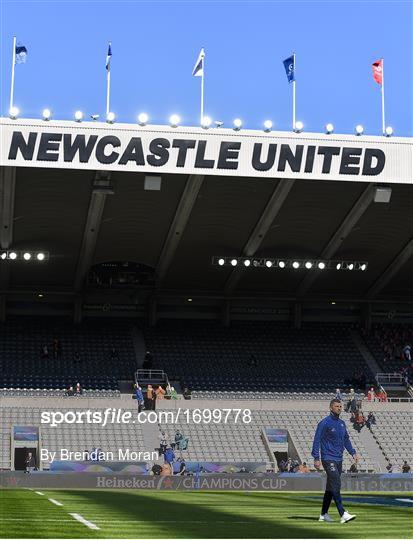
(86, 213)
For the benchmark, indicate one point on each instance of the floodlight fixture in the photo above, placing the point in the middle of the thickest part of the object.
(143, 119)
(174, 120)
(46, 114)
(267, 126)
(234, 262)
(308, 265)
(12, 255)
(359, 129)
(221, 262)
(110, 117)
(268, 264)
(388, 131)
(27, 256)
(40, 256)
(237, 123)
(189, 299)
(329, 128)
(13, 113)
(206, 122)
(247, 262)
(296, 265)
(281, 264)
(350, 266)
(321, 265)
(78, 116)
(339, 266)
(363, 267)
(3, 255)
(299, 126)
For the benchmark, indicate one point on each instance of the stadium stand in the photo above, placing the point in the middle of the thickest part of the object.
(257, 357)
(386, 343)
(393, 433)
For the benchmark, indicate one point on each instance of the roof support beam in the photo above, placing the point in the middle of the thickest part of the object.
(274, 205)
(400, 260)
(101, 189)
(182, 214)
(7, 193)
(347, 225)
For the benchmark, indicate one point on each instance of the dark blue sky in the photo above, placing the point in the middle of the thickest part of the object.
(155, 45)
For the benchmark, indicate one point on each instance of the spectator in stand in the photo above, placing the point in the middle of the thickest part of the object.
(30, 463)
(338, 394)
(150, 398)
(45, 352)
(405, 467)
(303, 468)
(163, 445)
(282, 466)
(160, 392)
(156, 469)
(57, 348)
(148, 361)
(70, 391)
(381, 395)
(182, 466)
(371, 420)
(139, 397)
(359, 421)
(371, 396)
(351, 403)
(186, 393)
(407, 353)
(79, 389)
(169, 458)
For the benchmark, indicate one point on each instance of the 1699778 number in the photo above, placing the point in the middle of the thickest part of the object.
(217, 416)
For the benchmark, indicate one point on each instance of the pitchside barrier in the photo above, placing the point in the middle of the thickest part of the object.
(213, 482)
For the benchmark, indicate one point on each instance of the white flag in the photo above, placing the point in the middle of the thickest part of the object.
(199, 65)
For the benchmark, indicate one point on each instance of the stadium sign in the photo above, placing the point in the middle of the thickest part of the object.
(123, 147)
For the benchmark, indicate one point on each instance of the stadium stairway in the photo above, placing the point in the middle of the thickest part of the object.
(138, 345)
(370, 444)
(365, 353)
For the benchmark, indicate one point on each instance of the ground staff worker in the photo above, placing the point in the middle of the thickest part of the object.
(331, 437)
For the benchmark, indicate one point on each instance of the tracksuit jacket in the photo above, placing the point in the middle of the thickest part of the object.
(331, 437)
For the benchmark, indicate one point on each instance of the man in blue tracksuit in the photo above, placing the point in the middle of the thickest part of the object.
(331, 437)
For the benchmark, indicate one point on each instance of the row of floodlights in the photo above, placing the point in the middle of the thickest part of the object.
(38, 256)
(206, 123)
(307, 264)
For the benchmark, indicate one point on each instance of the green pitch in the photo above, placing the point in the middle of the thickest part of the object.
(160, 514)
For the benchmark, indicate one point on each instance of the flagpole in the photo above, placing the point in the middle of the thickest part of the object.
(383, 121)
(12, 74)
(202, 90)
(294, 94)
(108, 87)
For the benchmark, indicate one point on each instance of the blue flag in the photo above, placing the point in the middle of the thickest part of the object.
(21, 53)
(108, 57)
(289, 65)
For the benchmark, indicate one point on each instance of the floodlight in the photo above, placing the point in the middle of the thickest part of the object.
(174, 120)
(281, 264)
(221, 262)
(247, 262)
(143, 119)
(206, 122)
(237, 123)
(388, 131)
(267, 125)
(363, 267)
(14, 113)
(47, 113)
(110, 117)
(268, 264)
(350, 266)
(78, 116)
(3, 255)
(189, 299)
(308, 265)
(296, 264)
(40, 256)
(12, 255)
(329, 128)
(298, 126)
(234, 262)
(359, 129)
(321, 265)
(338, 266)
(27, 256)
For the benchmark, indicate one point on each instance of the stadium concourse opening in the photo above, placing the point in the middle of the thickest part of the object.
(130, 362)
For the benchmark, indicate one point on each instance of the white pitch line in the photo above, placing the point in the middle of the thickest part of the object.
(80, 518)
(39, 492)
(57, 503)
